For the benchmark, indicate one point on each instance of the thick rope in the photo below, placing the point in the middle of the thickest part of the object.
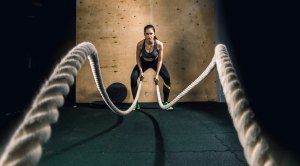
(255, 145)
(203, 75)
(256, 148)
(98, 79)
(24, 147)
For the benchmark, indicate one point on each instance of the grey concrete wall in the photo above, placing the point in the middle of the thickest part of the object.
(187, 29)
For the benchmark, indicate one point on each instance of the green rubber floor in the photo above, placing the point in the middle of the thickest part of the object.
(193, 134)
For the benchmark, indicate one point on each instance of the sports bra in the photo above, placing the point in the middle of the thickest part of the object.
(152, 54)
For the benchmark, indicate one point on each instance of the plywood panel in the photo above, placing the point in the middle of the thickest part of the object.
(187, 29)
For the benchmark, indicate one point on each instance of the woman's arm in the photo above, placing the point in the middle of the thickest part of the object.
(138, 59)
(160, 58)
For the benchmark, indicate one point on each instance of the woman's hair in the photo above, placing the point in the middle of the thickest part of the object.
(150, 26)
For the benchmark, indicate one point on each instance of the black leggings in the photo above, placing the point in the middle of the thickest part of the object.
(146, 65)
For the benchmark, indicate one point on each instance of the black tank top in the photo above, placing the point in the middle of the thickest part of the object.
(152, 54)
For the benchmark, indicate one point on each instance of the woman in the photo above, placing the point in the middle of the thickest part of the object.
(149, 54)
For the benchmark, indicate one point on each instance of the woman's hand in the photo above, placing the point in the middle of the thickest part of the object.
(156, 79)
(142, 75)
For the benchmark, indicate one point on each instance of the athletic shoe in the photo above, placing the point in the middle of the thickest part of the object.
(165, 103)
(137, 107)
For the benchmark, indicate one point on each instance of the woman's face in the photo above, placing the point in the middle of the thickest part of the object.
(149, 34)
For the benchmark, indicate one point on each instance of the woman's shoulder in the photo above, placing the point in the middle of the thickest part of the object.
(159, 43)
(140, 42)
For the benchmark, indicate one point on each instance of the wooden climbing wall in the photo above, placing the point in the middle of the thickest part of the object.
(187, 29)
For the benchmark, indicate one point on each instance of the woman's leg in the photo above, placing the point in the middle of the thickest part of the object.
(133, 81)
(167, 82)
(135, 75)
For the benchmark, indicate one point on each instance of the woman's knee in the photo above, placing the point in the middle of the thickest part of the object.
(134, 77)
(167, 79)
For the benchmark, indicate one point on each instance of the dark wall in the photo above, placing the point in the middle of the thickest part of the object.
(263, 38)
(36, 35)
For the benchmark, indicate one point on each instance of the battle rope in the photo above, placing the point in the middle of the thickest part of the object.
(94, 63)
(203, 75)
(256, 149)
(252, 139)
(24, 147)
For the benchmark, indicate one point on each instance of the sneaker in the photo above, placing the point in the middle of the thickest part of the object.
(137, 107)
(165, 103)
